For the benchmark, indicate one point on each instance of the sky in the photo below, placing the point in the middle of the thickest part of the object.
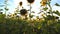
(12, 4)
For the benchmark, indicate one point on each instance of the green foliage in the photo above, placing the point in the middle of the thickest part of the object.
(31, 16)
(6, 9)
(49, 25)
(13, 26)
(57, 4)
(45, 8)
(1, 9)
(57, 12)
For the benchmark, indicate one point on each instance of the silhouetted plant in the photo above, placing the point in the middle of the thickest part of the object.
(23, 12)
(20, 3)
(6, 4)
(30, 1)
(1, 9)
(19, 26)
(1, 12)
(57, 4)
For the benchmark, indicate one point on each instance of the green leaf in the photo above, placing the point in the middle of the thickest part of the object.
(1, 9)
(45, 8)
(32, 12)
(57, 12)
(31, 16)
(48, 12)
(6, 9)
(57, 4)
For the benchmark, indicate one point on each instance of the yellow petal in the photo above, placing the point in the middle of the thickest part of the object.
(43, 2)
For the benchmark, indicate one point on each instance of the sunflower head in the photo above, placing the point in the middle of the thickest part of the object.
(30, 1)
(23, 12)
(20, 3)
(43, 2)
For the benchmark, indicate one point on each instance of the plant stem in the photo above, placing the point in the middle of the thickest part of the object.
(51, 10)
(30, 11)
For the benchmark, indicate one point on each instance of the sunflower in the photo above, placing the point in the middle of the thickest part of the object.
(44, 2)
(23, 12)
(20, 3)
(1, 12)
(30, 1)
